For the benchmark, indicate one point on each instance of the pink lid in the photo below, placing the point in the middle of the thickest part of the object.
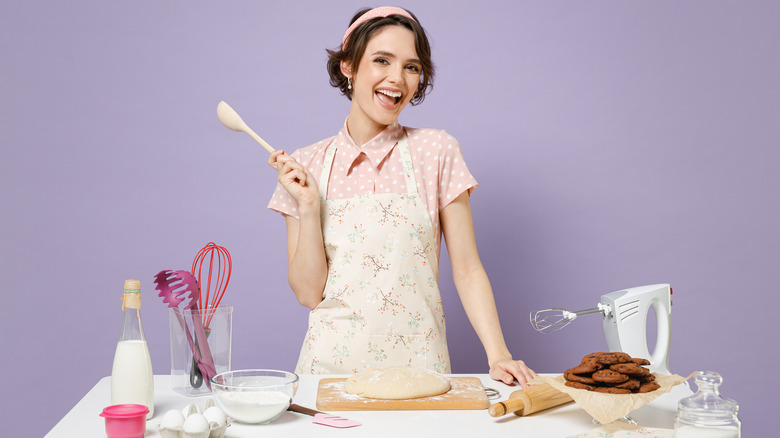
(124, 411)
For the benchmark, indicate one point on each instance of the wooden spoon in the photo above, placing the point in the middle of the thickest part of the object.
(233, 121)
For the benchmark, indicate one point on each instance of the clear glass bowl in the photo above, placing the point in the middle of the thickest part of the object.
(254, 396)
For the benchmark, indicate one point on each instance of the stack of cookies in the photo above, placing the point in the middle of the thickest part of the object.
(611, 373)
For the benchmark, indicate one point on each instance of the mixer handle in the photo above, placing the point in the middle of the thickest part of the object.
(659, 357)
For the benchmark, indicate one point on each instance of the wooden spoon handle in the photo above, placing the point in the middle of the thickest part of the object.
(257, 138)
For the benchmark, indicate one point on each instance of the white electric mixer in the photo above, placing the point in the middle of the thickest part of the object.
(624, 315)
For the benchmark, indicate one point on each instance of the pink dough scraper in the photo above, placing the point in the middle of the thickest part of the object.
(323, 418)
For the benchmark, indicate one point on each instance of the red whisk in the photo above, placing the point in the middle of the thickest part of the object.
(224, 265)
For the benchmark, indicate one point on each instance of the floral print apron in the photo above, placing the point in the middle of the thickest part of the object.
(381, 305)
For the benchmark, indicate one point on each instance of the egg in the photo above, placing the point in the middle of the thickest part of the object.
(216, 415)
(196, 423)
(172, 419)
(190, 409)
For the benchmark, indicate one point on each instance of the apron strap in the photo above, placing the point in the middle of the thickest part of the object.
(327, 165)
(406, 163)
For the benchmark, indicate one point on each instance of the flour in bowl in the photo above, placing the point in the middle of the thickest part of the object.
(254, 407)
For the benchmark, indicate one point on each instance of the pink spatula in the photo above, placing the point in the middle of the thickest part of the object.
(172, 286)
(324, 418)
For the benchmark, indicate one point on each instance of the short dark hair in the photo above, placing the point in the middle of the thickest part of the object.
(356, 44)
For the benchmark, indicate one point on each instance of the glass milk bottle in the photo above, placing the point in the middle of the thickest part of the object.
(707, 414)
(132, 380)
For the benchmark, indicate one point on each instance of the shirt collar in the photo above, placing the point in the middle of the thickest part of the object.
(376, 149)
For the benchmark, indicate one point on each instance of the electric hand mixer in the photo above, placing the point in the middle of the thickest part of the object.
(624, 315)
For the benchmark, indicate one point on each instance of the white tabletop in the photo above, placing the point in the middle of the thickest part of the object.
(564, 421)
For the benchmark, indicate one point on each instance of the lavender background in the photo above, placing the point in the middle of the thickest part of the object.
(616, 144)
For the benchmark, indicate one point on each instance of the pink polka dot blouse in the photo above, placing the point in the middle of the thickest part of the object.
(439, 169)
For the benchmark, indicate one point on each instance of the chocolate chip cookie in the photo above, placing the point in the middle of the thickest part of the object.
(612, 390)
(579, 385)
(585, 368)
(581, 378)
(593, 356)
(647, 378)
(647, 387)
(630, 384)
(614, 358)
(609, 376)
(630, 368)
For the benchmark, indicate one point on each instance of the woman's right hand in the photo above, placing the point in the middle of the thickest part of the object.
(295, 178)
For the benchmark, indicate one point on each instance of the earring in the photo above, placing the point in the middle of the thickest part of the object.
(349, 83)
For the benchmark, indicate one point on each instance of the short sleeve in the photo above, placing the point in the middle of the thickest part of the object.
(454, 175)
(281, 200)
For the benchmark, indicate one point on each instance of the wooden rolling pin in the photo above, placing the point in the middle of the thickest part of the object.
(529, 400)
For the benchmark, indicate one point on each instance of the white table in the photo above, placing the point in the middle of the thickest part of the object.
(564, 421)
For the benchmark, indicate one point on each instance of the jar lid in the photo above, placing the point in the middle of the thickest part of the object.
(707, 405)
(124, 411)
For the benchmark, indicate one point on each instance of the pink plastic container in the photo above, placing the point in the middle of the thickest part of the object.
(125, 421)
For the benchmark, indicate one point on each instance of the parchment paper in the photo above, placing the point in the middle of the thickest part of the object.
(607, 408)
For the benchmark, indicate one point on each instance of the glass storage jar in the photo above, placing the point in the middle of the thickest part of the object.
(707, 414)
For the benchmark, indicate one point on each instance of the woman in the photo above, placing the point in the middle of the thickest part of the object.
(365, 211)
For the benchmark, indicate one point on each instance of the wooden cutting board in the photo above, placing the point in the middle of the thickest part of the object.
(466, 393)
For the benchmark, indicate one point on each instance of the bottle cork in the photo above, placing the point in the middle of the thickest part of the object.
(131, 299)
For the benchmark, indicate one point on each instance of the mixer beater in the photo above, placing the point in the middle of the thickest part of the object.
(552, 320)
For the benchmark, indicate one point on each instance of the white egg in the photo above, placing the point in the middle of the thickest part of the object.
(172, 419)
(196, 423)
(190, 409)
(216, 415)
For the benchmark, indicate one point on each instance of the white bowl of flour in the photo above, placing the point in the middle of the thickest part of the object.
(254, 396)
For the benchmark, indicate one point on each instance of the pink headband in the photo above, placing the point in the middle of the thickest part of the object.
(382, 11)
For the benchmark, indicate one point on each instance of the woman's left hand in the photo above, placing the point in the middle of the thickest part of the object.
(507, 370)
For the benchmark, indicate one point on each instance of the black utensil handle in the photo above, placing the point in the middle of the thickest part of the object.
(300, 409)
(196, 377)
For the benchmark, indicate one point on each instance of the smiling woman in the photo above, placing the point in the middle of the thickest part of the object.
(385, 80)
(364, 25)
(365, 211)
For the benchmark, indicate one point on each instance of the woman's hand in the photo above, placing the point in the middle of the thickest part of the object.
(295, 178)
(507, 370)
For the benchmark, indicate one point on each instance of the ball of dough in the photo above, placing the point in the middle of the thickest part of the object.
(397, 383)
